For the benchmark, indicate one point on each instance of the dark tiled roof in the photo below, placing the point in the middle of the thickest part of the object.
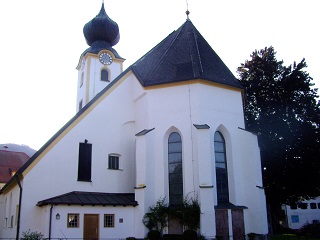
(101, 28)
(92, 198)
(101, 33)
(144, 132)
(10, 162)
(183, 55)
(229, 206)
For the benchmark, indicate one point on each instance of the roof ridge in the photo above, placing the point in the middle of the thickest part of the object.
(14, 152)
(198, 52)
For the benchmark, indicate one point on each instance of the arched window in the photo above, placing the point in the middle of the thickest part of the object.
(221, 168)
(81, 80)
(175, 169)
(104, 75)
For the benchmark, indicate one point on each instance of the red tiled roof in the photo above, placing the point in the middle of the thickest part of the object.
(10, 162)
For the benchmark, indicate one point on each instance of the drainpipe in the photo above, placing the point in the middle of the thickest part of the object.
(50, 220)
(19, 210)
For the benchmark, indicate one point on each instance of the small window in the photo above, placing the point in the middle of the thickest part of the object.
(11, 222)
(80, 105)
(104, 75)
(109, 220)
(113, 162)
(295, 218)
(313, 205)
(81, 79)
(303, 205)
(293, 206)
(318, 205)
(17, 213)
(73, 220)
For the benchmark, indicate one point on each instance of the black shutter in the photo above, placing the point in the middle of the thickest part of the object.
(84, 166)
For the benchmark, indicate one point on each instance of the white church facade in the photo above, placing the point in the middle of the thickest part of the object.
(170, 126)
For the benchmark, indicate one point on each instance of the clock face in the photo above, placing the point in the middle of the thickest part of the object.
(105, 58)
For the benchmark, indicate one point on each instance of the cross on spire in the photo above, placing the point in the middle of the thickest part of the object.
(187, 12)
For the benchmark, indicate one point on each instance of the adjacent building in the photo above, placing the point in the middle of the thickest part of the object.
(10, 162)
(306, 212)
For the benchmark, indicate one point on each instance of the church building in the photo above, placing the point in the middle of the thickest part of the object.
(171, 126)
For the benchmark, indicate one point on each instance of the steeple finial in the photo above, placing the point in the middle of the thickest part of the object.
(187, 12)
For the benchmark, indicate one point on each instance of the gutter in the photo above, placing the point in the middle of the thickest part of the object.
(19, 210)
(50, 220)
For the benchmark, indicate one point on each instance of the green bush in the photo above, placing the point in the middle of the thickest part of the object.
(31, 235)
(154, 235)
(172, 237)
(252, 236)
(219, 237)
(157, 216)
(190, 235)
(311, 230)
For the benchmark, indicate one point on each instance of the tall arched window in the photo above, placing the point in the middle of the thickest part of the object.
(104, 75)
(175, 169)
(221, 168)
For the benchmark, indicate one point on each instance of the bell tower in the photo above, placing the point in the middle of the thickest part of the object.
(100, 63)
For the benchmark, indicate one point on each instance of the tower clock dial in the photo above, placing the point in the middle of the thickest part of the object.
(105, 58)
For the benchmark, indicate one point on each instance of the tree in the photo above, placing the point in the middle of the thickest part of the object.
(282, 108)
(156, 218)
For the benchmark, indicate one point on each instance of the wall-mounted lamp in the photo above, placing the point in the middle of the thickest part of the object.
(58, 216)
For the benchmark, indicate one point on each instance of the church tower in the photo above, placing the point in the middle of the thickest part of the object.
(100, 63)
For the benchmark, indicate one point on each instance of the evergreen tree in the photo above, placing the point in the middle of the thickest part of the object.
(281, 107)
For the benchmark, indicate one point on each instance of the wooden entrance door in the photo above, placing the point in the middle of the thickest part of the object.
(222, 224)
(174, 226)
(91, 227)
(238, 224)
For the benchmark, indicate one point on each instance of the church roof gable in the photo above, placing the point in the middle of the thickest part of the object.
(183, 55)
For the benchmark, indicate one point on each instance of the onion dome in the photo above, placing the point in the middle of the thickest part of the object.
(101, 30)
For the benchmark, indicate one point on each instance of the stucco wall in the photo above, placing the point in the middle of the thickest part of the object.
(110, 126)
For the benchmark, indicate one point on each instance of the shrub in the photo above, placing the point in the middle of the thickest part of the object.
(190, 235)
(312, 230)
(154, 235)
(130, 238)
(31, 235)
(219, 237)
(157, 216)
(202, 237)
(172, 237)
(190, 213)
(252, 236)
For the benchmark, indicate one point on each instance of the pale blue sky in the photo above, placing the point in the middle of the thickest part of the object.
(41, 42)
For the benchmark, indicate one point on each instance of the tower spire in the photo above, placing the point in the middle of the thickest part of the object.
(187, 12)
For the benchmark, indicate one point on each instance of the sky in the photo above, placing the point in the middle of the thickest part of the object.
(41, 42)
